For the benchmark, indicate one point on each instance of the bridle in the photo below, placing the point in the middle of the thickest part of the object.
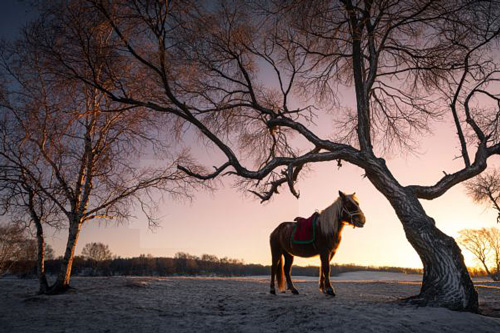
(351, 215)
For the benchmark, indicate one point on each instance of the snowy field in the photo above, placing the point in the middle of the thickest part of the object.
(370, 276)
(365, 302)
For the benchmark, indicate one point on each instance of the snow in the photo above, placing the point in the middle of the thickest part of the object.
(182, 304)
(377, 276)
(367, 276)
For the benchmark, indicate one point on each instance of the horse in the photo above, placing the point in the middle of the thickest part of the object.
(329, 224)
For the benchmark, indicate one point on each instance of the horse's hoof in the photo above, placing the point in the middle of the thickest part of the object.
(329, 292)
(295, 291)
(272, 292)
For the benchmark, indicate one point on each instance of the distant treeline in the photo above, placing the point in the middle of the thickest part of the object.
(182, 264)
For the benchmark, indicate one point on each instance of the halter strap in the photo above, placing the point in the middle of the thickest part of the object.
(351, 215)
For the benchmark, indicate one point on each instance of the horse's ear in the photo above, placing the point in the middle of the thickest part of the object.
(342, 195)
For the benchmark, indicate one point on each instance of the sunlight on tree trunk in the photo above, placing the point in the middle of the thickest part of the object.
(63, 279)
(446, 281)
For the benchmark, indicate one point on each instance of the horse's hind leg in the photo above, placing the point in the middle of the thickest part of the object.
(276, 266)
(288, 270)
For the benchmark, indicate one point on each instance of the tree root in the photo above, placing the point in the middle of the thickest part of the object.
(58, 289)
(422, 300)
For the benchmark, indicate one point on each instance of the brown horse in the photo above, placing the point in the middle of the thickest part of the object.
(329, 225)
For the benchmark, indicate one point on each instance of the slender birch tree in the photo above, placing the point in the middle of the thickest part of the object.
(253, 76)
(68, 148)
(26, 210)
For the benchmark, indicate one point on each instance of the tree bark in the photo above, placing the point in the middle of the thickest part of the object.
(63, 279)
(446, 281)
(40, 261)
(486, 267)
(40, 265)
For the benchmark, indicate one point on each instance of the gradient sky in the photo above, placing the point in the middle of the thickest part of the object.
(227, 223)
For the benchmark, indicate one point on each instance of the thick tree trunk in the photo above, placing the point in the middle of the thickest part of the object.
(446, 281)
(40, 265)
(63, 279)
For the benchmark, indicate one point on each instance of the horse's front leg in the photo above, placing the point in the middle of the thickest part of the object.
(288, 270)
(325, 266)
(321, 278)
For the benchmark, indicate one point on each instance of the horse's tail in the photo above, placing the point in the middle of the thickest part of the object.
(280, 275)
(277, 270)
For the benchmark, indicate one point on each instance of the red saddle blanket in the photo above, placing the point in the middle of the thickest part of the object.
(304, 231)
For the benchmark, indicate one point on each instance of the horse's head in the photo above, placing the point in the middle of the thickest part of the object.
(351, 212)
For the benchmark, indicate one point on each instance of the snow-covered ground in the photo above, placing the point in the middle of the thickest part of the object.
(377, 276)
(365, 302)
(362, 276)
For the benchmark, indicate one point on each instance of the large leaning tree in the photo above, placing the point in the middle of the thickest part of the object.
(71, 155)
(255, 77)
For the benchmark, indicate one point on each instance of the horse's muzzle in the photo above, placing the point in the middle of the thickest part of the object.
(359, 221)
(358, 224)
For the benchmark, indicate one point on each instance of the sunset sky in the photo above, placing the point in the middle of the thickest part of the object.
(229, 223)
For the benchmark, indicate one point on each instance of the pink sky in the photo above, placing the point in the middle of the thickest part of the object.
(230, 224)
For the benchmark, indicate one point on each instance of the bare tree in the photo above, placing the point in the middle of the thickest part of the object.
(69, 149)
(11, 239)
(98, 254)
(25, 209)
(253, 77)
(97, 251)
(30, 250)
(16, 245)
(485, 188)
(484, 244)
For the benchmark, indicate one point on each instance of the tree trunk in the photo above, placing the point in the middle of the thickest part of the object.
(486, 267)
(40, 265)
(496, 276)
(63, 279)
(446, 281)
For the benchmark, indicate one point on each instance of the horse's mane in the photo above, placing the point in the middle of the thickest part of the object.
(329, 217)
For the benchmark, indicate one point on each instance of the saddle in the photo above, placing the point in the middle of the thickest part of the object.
(304, 231)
